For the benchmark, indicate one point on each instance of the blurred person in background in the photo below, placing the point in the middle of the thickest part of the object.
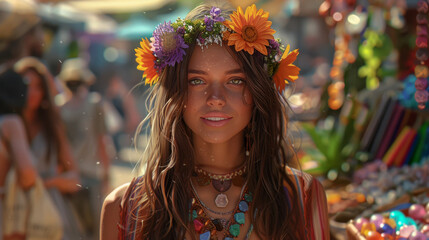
(53, 157)
(14, 149)
(21, 32)
(84, 117)
(119, 95)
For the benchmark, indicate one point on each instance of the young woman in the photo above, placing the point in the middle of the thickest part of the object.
(14, 149)
(217, 162)
(52, 155)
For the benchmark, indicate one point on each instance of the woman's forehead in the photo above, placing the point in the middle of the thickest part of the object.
(213, 57)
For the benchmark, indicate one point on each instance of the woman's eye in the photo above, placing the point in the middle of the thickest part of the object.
(196, 81)
(237, 81)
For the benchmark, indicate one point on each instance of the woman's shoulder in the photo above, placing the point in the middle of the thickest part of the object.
(301, 178)
(313, 204)
(11, 122)
(114, 199)
(116, 209)
(117, 199)
(110, 213)
(12, 125)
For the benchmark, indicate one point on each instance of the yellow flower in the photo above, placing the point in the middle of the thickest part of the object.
(252, 30)
(286, 71)
(146, 62)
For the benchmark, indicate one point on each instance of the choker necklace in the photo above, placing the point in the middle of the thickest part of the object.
(220, 182)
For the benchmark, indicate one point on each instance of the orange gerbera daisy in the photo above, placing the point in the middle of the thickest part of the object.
(146, 62)
(252, 30)
(286, 71)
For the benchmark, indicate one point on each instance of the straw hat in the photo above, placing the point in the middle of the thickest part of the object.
(75, 69)
(17, 17)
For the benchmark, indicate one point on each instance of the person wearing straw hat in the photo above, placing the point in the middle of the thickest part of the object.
(84, 118)
(21, 33)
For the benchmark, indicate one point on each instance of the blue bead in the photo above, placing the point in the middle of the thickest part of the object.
(205, 236)
(386, 228)
(228, 238)
(239, 217)
(243, 206)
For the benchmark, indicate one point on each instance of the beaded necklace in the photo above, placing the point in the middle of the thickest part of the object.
(207, 228)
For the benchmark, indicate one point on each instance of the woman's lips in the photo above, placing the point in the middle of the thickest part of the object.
(216, 119)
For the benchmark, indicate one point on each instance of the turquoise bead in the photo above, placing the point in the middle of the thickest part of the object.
(205, 236)
(194, 214)
(397, 215)
(234, 230)
(243, 206)
(239, 217)
(248, 197)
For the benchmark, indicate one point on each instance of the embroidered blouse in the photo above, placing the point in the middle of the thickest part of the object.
(312, 200)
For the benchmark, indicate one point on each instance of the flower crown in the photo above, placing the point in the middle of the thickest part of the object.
(247, 31)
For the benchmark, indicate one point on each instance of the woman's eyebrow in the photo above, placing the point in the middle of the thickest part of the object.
(196, 71)
(232, 71)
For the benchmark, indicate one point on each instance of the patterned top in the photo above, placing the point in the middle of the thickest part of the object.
(312, 200)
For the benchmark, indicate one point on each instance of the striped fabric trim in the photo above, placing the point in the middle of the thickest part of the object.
(129, 199)
(313, 205)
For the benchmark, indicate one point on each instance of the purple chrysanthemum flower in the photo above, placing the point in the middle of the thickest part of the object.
(181, 30)
(208, 21)
(168, 46)
(201, 39)
(273, 44)
(215, 13)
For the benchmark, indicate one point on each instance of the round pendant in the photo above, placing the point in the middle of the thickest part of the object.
(221, 186)
(221, 200)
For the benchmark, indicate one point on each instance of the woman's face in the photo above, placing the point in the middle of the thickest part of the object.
(35, 90)
(218, 105)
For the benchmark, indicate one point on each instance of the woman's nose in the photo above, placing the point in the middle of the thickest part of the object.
(216, 97)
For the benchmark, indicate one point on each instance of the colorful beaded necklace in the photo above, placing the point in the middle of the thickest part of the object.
(208, 228)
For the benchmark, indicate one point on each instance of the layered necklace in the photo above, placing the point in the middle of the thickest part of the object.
(221, 182)
(207, 227)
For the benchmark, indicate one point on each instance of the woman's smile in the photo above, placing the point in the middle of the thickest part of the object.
(216, 119)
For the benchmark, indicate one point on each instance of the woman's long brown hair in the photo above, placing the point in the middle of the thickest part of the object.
(165, 189)
(47, 113)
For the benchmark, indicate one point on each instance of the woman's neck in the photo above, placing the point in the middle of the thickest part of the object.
(220, 158)
(30, 115)
(32, 122)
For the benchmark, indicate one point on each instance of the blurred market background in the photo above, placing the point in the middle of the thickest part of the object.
(359, 112)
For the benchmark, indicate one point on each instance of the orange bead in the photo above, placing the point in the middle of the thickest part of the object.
(367, 228)
(335, 103)
(421, 71)
(333, 198)
(373, 235)
(360, 198)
